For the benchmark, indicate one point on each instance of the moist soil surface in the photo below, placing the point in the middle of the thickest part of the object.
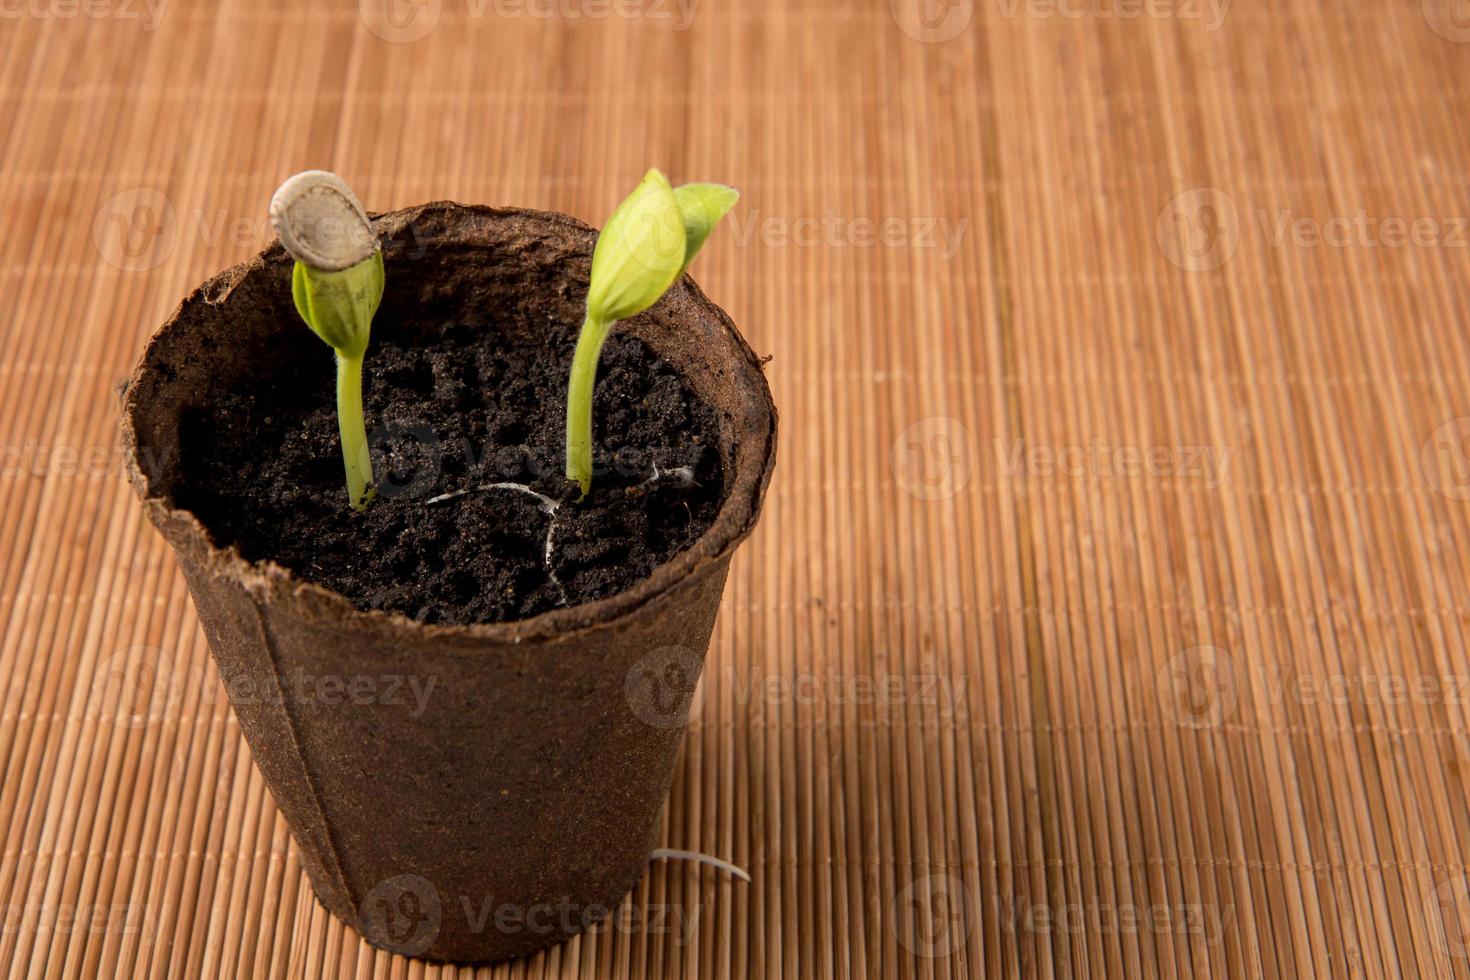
(463, 408)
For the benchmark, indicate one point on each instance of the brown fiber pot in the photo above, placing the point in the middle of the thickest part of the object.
(511, 798)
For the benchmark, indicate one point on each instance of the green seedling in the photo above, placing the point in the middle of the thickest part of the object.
(337, 284)
(642, 250)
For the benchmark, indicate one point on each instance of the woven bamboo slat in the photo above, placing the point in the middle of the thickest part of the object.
(1109, 613)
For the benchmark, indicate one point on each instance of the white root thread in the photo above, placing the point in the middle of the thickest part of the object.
(671, 854)
(547, 505)
(544, 503)
(546, 556)
(685, 475)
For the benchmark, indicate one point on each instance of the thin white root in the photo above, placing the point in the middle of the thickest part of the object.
(544, 503)
(546, 559)
(547, 505)
(684, 474)
(670, 854)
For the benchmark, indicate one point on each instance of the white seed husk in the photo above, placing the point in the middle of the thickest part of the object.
(320, 222)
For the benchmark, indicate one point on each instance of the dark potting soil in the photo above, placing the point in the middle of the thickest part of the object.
(262, 469)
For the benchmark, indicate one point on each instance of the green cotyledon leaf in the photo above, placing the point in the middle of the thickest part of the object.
(702, 206)
(642, 250)
(639, 253)
(339, 306)
(337, 285)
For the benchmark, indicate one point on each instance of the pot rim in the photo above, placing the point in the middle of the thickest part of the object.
(274, 583)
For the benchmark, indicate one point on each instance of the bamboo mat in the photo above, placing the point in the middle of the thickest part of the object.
(1109, 613)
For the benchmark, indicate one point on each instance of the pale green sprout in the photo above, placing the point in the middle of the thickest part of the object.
(339, 308)
(337, 284)
(642, 250)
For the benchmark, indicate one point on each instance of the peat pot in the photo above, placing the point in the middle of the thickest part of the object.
(509, 797)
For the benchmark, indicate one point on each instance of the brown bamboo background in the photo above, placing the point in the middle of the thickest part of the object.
(1109, 614)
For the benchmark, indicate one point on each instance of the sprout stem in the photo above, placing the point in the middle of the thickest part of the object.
(579, 401)
(355, 456)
